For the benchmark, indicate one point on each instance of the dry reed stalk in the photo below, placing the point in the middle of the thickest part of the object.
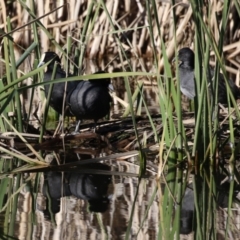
(130, 20)
(127, 14)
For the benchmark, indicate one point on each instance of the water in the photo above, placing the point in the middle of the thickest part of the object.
(55, 204)
(74, 220)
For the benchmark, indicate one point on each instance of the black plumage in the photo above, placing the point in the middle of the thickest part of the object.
(84, 99)
(187, 81)
(90, 99)
(58, 90)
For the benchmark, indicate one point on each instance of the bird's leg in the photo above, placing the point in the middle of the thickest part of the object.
(59, 126)
(95, 126)
(77, 127)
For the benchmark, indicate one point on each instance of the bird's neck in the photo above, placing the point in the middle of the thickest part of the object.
(188, 65)
(50, 67)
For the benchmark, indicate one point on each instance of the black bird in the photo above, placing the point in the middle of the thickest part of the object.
(187, 81)
(57, 95)
(90, 99)
(85, 99)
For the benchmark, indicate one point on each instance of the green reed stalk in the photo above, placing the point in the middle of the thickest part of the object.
(84, 34)
(43, 127)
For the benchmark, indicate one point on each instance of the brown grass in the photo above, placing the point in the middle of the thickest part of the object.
(68, 22)
(131, 27)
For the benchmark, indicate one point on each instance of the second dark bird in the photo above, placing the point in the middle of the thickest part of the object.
(187, 81)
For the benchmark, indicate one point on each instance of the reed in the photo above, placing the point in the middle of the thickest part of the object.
(139, 38)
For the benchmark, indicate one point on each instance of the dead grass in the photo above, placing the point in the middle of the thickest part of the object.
(131, 26)
(102, 49)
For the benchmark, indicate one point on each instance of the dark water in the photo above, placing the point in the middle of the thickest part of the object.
(81, 205)
(95, 200)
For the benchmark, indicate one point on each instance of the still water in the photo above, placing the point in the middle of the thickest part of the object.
(88, 206)
(96, 200)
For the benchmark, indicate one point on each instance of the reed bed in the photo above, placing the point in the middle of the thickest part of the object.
(134, 41)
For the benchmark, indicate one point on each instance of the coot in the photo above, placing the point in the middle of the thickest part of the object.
(90, 99)
(58, 90)
(187, 81)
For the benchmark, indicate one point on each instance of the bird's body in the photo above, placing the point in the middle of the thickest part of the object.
(187, 79)
(59, 89)
(85, 99)
(187, 84)
(90, 99)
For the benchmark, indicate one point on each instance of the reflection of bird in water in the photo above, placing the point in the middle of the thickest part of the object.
(90, 187)
(187, 211)
(54, 187)
(187, 221)
(187, 81)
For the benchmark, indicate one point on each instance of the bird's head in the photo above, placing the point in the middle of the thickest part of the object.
(186, 57)
(47, 57)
